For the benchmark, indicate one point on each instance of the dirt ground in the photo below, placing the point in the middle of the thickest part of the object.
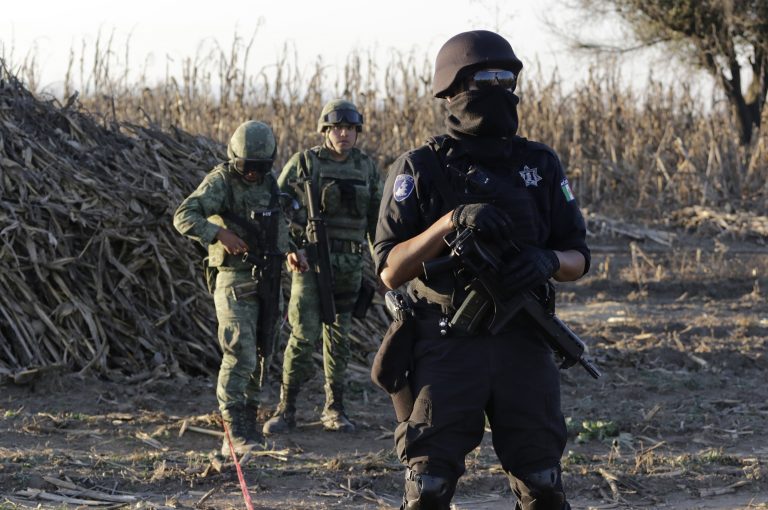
(676, 421)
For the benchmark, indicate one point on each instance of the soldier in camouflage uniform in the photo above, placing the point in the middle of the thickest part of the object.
(348, 184)
(226, 214)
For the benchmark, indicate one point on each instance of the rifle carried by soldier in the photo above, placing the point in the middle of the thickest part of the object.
(318, 250)
(261, 230)
(487, 303)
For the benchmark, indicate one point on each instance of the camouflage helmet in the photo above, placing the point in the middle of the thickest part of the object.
(252, 140)
(468, 51)
(339, 111)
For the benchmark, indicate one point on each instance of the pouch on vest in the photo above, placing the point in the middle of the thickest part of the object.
(345, 197)
(330, 198)
(210, 274)
(362, 198)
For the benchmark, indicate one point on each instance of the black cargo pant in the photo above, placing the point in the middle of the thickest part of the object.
(512, 378)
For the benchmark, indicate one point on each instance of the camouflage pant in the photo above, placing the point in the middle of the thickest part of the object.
(306, 327)
(238, 381)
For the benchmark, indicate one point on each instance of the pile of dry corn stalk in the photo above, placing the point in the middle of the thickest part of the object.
(93, 274)
(710, 222)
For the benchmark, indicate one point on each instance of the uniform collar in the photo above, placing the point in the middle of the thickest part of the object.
(326, 153)
(489, 151)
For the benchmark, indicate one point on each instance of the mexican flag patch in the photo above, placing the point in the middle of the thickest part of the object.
(567, 190)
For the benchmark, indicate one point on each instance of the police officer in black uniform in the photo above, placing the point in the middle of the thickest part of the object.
(482, 176)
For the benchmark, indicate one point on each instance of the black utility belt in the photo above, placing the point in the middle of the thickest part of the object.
(344, 246)
(235, 262)
(434, 322)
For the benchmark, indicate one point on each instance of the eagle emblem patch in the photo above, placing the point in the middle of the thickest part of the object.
(403, 187)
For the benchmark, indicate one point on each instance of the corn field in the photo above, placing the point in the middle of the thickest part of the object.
(656, 152)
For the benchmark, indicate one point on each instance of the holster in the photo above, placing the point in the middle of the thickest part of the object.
(402, 401)
(364, 299)
(392, 363)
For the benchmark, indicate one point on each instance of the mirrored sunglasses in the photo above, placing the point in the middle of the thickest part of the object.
(343, 117)
(247, 166)
(504, 79)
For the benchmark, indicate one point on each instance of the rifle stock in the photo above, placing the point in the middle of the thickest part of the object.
(319, 253)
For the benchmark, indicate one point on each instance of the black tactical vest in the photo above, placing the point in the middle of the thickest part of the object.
(458, 180)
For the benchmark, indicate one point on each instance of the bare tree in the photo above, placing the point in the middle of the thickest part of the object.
(726, 38)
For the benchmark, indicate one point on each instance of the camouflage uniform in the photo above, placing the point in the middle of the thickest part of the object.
(349, 199)
(224, 194)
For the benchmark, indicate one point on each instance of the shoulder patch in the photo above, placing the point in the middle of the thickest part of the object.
(567, 190)
(403, 187)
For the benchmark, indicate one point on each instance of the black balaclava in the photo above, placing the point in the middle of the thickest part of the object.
(484, 121)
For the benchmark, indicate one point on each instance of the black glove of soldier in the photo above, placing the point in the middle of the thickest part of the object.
(531, 267)
(487, 220)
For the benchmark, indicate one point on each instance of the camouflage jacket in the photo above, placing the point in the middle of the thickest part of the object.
(350, 193)
(223, 193)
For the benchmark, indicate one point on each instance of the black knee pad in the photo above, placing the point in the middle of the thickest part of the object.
(540, 490)
(427, 492)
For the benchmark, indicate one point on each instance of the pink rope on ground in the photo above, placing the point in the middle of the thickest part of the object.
(243, 486)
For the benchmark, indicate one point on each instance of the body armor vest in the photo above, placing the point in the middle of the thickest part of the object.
(458, 180)
(251, 212)
(345, 193)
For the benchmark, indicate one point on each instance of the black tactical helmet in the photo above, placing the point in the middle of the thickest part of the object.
(468, 51)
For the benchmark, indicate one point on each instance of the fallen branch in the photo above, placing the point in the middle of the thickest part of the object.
(146, 439)
(89, 492)
(185, 426)
(705, 493)
(611, 480)
(40, 494)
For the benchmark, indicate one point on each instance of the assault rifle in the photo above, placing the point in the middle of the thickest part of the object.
(486, 297)
(267, 263)
(319, 252)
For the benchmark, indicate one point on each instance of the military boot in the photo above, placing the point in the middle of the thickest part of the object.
(334, 418)
(235, 420)
(284, 419)
(252, 431)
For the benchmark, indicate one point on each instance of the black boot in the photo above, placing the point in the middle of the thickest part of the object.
(251, 417)
(334, 418)
(284, 419)
(236, 423)
(423, 490)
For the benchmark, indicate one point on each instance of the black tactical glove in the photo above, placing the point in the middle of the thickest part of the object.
(529, 268)
(487, 220)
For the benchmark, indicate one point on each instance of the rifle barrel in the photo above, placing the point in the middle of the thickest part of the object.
(590, 367)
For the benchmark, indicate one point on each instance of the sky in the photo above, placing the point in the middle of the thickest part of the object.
(160, 33)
